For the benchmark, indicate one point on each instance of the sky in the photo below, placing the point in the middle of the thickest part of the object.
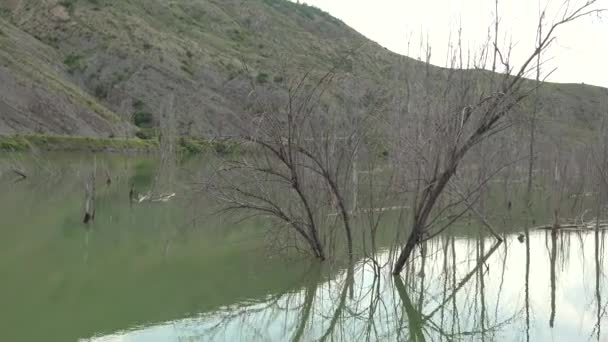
(579, 55)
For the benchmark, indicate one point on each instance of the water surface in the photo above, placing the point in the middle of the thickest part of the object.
(173, 271)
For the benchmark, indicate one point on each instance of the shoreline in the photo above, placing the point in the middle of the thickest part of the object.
(66, 143)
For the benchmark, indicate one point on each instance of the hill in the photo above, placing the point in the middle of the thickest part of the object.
(89, 67)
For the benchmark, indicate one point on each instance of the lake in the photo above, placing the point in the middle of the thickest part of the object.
(170, 269)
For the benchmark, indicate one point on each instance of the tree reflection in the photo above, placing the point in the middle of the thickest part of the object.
(414, 317)
(309, 295)
(527, 282)
(335, 318)
(598, 295)
(444, 296)
(552, 259)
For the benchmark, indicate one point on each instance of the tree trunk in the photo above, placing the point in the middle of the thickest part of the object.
(346, 220)
(407, 250)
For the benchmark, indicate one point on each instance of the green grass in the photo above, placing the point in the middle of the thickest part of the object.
(197, 145)
(14, 143)
(147, 133)
(72, 143)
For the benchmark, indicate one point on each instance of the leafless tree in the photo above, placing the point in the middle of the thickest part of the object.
(468, 112)
(300, 167)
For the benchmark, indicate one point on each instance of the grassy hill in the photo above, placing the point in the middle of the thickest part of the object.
(86, 67)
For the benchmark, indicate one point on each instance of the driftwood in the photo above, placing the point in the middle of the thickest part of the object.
(575, 226)
(149, 197)
(583, 194)
(19, 173)
(369, 210)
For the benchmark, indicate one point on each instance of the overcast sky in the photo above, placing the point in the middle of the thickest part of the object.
(580, 54)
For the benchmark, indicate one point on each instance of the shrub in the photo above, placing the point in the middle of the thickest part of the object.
(236, 35)
(69, 4)
(191, 146)
(262, 78)
(146, 134)
(143, 119)
(73, 62)
(186, 68)
(101, 92)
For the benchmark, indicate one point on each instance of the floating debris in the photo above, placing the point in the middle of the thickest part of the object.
(142, 198)
(148, 197)
(163, 197)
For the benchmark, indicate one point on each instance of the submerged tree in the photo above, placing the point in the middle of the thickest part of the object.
(302, 173)
(468, 111)
(298, 171)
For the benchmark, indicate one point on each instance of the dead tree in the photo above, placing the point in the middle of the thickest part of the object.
(483, 107)
(299, 162)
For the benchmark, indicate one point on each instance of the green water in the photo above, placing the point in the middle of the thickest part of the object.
(174, 271)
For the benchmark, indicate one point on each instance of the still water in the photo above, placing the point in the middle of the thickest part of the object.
(173, 271)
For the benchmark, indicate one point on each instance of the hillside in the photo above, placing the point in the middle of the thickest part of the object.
(86, 67)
